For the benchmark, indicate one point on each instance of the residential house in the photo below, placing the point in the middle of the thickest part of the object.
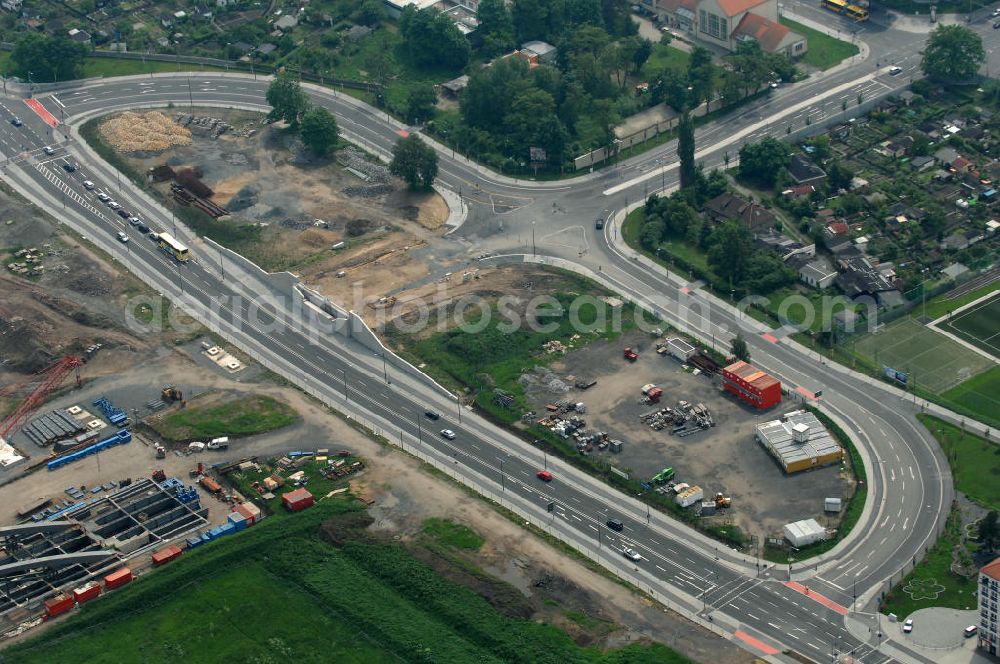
(286, 23)
(357, 33)
(454, 87)
(908, 211)
(818, 273)
(166, 21)
(946, 156)
(265, 50)
(79, 36)
(11, 5)
(954, 271)
(800, 191)
(543, 52)
(804, 171)
(922, 163)
(961, 165)
(727, 23)
(859, 277)
(897, 147)
(753, 216)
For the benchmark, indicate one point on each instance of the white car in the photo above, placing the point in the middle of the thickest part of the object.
(196, 447)
(895, 71)
(48, 149)
(996, 12)
(122, 237)
(448, 433)
(102, 197)
(908, 625)
(631, 554)
(88, 185)
(114, 205)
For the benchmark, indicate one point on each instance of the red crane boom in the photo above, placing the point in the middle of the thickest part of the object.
(51, 379)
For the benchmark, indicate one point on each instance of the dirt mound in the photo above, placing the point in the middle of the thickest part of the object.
(144, 132)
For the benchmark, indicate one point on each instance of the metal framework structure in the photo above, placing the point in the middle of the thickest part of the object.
(51, 378)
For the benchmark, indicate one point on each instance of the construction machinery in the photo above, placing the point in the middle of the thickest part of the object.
(722, 501)
(171, 393)
(161, 452)
(663, 476)
(629, 354)
(49, 380)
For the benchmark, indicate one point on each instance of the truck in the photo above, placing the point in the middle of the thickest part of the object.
(663, 476)
(690, 496)
(630, 354)
(652, 393)
(219, 443)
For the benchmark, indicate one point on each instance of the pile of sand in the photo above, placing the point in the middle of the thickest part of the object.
(144, 132)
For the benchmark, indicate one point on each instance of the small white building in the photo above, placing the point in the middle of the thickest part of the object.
(9, 456)
(544, 51)
(681, 349)
(803, 533)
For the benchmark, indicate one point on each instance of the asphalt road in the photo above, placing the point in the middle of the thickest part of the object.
(909, 485)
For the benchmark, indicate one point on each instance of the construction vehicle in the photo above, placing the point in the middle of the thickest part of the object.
(722, 501)
(159, 475)
(652, 393)
(664, 475)
(171, 393)
(161, 452)
(630, 354)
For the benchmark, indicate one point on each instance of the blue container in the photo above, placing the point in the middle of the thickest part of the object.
(205, 537)
(193, 542)
(226, 529)
(238, 520)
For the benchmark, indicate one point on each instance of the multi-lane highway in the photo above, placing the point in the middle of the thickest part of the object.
(910, 486)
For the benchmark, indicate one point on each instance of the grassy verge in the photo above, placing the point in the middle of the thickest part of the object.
(824, 51)
(932, 583)
(449, 533)
(93, 67)
(979, 395)
(940, 306)
(243, 416)
(974, 461)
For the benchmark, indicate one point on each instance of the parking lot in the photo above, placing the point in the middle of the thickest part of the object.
(724, 458)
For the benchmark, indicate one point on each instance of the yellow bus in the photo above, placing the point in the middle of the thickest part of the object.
(173, 247)
(857, 13)
(839, 6)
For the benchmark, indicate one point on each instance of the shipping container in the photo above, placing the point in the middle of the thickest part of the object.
(86, 592)
(227, 528)
(210, 485)
(194, 542)
(118, 578)
(297, 500)
(166, 554)
(246, 514)
(238, 520)
(253, 510)
(690, 496)
(751, 385)
(58, 605)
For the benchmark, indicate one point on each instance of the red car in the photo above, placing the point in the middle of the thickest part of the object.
(544, 475)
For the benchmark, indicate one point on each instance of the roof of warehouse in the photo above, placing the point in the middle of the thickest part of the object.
(751, 374)
(779, 437)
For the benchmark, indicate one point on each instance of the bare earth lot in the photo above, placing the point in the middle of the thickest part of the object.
(724, 458)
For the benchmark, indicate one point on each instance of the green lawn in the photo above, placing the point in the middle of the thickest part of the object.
(449, 533)
(93, 67)
(977, 325)
(975, 461)
(980, 395)
(664, 57)
(824, 51)
(243, 416)
(940, 306)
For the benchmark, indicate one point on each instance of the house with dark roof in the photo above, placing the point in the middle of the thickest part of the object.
(946, 155)
(804, 171)
(753, 216)
(859, 277)
(727, 23)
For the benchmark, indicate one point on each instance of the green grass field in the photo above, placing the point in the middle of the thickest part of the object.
(243, 416)
(307, 589)
(932, 360)
(975, 461)
(980, 394)
(942, 305)
(978, 325)
(452, 534)
(824, 51)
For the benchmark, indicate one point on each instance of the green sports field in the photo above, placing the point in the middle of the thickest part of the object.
(978, 325)
(933, 361)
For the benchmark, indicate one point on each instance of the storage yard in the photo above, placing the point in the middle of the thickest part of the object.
(663, 417)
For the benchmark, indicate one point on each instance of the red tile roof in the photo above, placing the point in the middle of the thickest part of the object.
(734, 7)
(767, 33)
(992, 570)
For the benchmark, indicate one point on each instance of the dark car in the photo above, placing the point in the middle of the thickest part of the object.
(432, 415)
(615, 524)
(142, 228)
(69, 167)
(600, 223)
(16, 121)
(123, 213)
(996, 26)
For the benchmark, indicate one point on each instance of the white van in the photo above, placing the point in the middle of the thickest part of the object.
(196, 447)
(970, 631)
(219, 443)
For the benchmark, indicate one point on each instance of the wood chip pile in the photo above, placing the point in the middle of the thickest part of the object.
(144, 132)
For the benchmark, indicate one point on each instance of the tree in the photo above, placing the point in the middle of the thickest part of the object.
(838, 176)
(643, 49)
(496, 27)
(989, 530)
(701, 75)
(953, 54)
(415, 162)
(761, 162)
(288, 101)
(371, 12)
(420, 102)
(41, 58)
(738, 348)
(319, 130)
(431, 39)
(685, 150)
(730, 249)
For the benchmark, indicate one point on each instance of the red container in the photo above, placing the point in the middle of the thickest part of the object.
(247, 514)
(751, 385)
(165, 555)
(210, 485)
(86, 592)
(58, 605)
(297, 500)
(118, 578)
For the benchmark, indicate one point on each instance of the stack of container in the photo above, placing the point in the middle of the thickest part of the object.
(166, 554)
(118, 578)
(238, 521)
(87, 591)
(251, 512)
(193, 542)
(58, 605)
(297, 500)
